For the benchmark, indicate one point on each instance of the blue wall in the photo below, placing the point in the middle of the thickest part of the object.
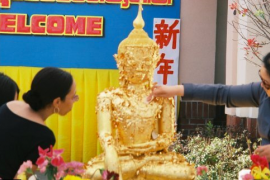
(76, 52)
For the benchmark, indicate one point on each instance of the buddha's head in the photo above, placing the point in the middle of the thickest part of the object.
(137, 55)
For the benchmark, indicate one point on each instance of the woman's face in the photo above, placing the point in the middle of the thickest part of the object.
(265, 80)
(66, 105)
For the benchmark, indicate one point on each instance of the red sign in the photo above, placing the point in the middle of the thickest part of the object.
(165, 33)
(51, 25)
(124, 3)
(165, 68)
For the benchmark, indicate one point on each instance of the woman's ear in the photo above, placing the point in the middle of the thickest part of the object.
(56, 102)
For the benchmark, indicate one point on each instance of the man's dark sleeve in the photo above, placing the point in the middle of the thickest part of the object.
(232, 96)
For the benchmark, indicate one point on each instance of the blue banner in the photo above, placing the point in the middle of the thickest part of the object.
(94, 52)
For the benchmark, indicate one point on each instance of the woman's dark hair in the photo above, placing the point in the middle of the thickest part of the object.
(48, 84)
(8, 89)
(266, 63)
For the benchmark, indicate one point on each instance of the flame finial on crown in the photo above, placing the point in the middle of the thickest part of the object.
(138, 23)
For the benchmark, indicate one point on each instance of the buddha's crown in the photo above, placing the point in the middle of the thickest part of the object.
(138, 47)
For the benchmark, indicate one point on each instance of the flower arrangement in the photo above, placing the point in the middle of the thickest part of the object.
(259, 169)
(52, 164)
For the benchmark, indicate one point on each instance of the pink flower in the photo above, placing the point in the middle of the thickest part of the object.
(107, 175)
(75, 164)
(201, 170)
(42, 163)
(59, 175)
(247, 177)
(57, 152)
(62, 167)
(42, 169)
(25, 166)
(74, 168)
(78, 171)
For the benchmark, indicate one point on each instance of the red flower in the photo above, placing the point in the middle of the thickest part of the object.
(40, 160)
(244, 11)
(259, 161)
(57, 161)
(234, 6)
(201, 170)
(42, 152)
(42, 163)
(252, 43)
(50, 153)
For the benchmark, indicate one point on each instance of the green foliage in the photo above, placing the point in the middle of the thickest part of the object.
(50, 172)
(209, 129)
(224, 156)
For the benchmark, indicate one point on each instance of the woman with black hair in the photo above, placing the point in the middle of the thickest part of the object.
(9, 90)
(22, 124)
(255, 94)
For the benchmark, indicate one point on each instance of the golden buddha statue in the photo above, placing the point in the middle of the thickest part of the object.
(135, 134)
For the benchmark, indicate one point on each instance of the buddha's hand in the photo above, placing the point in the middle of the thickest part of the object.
(156, 145)
(112, 160)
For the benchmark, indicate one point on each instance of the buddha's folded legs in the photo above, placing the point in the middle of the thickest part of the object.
(129, 166)
(168, 166)
(167, 171)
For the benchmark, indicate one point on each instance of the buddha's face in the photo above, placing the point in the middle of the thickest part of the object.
(138, 72)
(136, 65)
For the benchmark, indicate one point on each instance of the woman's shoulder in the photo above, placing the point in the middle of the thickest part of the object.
(18, 108)
(23, 110)
(16, 104)
(12, 106)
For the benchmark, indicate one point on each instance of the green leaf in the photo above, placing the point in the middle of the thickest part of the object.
(29, 171)
(101, 170)
(50, 172)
